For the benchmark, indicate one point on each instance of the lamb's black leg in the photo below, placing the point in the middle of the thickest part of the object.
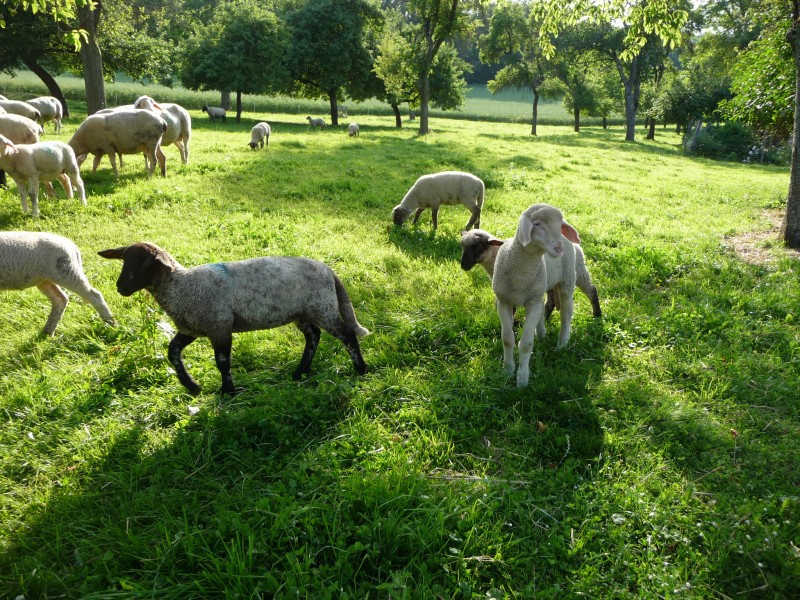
(350, 340)
(550, 305)
(435, 217)
(416, 216)
(176, 346)
(311, 333)
(222, 356)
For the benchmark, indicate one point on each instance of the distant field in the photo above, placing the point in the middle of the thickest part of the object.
(510, 105)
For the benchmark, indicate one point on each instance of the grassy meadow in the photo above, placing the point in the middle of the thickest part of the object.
(655, 457)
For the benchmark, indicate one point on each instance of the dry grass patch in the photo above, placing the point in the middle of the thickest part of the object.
(762, 247)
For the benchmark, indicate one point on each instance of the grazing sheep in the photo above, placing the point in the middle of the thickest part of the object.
(217, 300)
(521, 278)
(480, 247)
(434, 190)
(353, 129)
(342, 111)
(20, 130)
(123, 131)
(259, 134)
(28, 164)
(179, 123)
(215, 112)
(316, 123)
(50, 108)
(3, 111)
(47, 261)
(17, 107)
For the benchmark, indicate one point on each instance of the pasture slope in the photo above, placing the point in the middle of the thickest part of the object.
(655, 457)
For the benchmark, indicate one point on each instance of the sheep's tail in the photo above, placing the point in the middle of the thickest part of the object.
(346, 309)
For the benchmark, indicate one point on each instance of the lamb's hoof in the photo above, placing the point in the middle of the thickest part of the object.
(228, 391)
(194, 390)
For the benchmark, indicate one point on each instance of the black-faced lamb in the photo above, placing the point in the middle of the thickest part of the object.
(179, 123)
(437, 189)
(353, 129)
(29, 164)
(47, 261)
(479, 247)
(217, 300)
(521, 278)
(121, 131)
(215, 112)
(314, 123)
(50, 109)
(259, 134)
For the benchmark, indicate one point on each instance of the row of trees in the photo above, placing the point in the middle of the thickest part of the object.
(675, 61)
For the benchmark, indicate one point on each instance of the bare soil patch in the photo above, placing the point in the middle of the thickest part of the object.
(761, 247)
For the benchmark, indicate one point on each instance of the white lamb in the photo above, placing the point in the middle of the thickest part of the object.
(445, 188)
(353, 129)
(47, 261)
(20, 130)
(318, 122)
(28, 164)
(50, 109)
(259, 134)
(479, 247)
(17, 107)
(179, 123)
(521, 278)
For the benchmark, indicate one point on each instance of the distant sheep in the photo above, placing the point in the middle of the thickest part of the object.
(445, 188)
(47, 261)
(178, 120)
(217, 300)
(342, 111)
(50, 109)
(215, 112)
(259, 134)
(480, 247)
(29, 164)
(521, 278)
(353, 129)
(23, 109)
(316, 123)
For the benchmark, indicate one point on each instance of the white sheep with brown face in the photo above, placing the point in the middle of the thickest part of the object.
(220, 299)
(479, 247)
(521, 278)
(49, 262)
(447, 188)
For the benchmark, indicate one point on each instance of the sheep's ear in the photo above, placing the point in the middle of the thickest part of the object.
(10, 145)
(495, 242)
(569, 232)
(524, 230)
(113, 252)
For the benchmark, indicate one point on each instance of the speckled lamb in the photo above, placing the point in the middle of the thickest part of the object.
(217, 300)
(445, 188)
(47, 261)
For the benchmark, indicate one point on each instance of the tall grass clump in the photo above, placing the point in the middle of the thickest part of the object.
(656, 456)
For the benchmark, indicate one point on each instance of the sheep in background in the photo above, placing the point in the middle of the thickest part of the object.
(215, 112)
(259, 134)
(521, 278)
(217, 300)
(28, 164)
(124, 131)
(316, 123)
(47, 261)
(353, 129)
(445, 188)
(178, 120)
(480, 247)
(50, 109)
(23, 109)
(342, 111)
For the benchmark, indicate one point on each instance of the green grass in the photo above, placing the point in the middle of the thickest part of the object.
(613, 475)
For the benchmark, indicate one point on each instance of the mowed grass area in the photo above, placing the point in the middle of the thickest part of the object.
(656, 456)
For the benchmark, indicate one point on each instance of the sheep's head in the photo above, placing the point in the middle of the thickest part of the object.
(253, 145)
(475, 244)
(143, 264)
(147, 103)
(7, 147)
(542, 226)
(400, 214)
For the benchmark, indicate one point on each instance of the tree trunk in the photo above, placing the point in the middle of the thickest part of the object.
(605, 122)
(334, 108)
(49, 81)
(577, 115)
(424, 98)
(238, 106)
(92, 59)
(398, 118)
(535, 117)
(790, 228)
(225, 100)
(651, 133)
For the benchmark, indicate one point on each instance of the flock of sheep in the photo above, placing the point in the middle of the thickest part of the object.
(543, 258)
